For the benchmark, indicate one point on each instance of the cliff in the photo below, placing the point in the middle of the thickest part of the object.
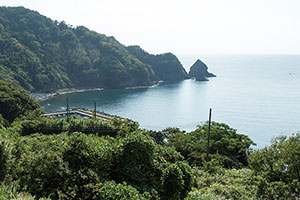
(166, 66)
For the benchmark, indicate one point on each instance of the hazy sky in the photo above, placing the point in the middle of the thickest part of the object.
(185, 27)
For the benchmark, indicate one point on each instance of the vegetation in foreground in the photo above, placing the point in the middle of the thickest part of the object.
(90, 159)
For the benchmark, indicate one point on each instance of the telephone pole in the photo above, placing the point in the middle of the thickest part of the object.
(95, 110)
(68, 109)
(208, 135)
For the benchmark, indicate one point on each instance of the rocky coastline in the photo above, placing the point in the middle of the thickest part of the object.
(41, 96)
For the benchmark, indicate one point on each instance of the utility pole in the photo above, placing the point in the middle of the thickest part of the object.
(68, 109)
(95, 110)
(208, 135)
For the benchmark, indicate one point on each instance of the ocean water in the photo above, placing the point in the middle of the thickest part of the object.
(259, 95)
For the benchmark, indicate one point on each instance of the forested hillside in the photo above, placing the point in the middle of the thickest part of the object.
(42, 55)
(166, 66)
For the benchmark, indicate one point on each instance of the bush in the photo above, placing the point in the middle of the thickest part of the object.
(3, 122)
(43, 126)
(134, 160)
(10, 192)
(232, 148)
(6, 149)
(89, 161)
(49, 126)
(15, 103)
(61, 166)
(223, 184)
(142, 163)
(66, 165)
(39, 167)
(110, 190)
(3, 159)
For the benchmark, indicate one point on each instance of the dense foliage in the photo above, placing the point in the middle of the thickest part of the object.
(223, 184)
(15, 103)
(76, 165)
(3, 122)
(137, 164)
(279, 167)
(166, 66)
(73, 158)
(55, 126)
(230, 147)
(39, 54)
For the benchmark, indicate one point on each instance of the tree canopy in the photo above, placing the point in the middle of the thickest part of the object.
(279, 167)
(231, 147)
(79, 166)
(15, 103)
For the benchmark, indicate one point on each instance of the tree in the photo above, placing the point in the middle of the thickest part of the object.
(3, 122)
(225, 141)
(279, 165)
(16, 102)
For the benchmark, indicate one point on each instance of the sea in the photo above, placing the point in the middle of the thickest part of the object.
(258, 95)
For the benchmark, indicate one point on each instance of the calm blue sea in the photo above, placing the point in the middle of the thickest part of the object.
(259, 95)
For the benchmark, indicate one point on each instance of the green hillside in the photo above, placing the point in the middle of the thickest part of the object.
(166, 66)
(42, 55)
(15, 103)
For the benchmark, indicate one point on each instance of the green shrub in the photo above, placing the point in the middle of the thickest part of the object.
(39, 167)
(231, 148)
(3, 122)
(224, 184)
(89, 161)
(15, 103)
(10, 192)
(124, 126)
(110, 190)
(134, 161)
(6, 149)
(43, 126)
(3, 160)
(61, 166)
(142, 163)
(279, 167)
(66, 165)
(50, 126)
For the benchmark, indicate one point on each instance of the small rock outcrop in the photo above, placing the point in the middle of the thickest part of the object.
(199, 71)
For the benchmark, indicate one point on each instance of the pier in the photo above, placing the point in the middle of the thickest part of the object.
(81, 112)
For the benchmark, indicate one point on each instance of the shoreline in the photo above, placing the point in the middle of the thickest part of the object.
(139, 87)
(41, 96)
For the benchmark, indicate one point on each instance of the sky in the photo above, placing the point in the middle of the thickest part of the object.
(184, 27)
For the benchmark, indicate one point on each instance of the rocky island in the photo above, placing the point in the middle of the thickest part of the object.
(199, 71)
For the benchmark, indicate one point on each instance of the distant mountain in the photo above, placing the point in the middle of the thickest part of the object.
(199, 71)
(42, 55)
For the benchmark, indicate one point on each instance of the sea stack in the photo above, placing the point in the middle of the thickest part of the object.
(199, 71)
